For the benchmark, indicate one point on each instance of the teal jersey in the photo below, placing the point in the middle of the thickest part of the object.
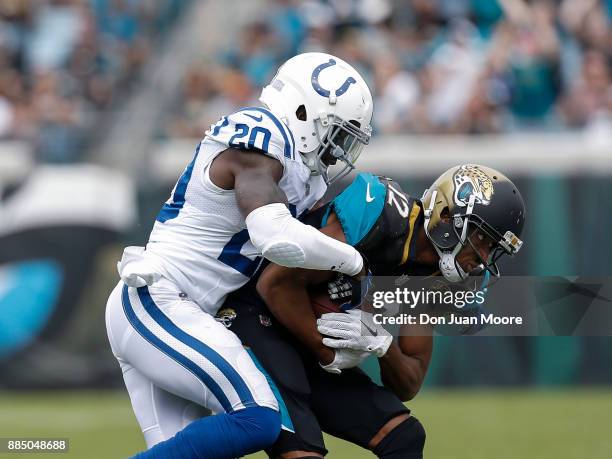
(378, 218)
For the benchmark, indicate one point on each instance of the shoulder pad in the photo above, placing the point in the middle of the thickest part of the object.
(359, 206)
(255, 128)
(387, 244)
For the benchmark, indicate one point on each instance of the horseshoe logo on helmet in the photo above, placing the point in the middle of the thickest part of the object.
(325, 92)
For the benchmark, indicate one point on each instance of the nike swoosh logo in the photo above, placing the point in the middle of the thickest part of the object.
(368, 197)
(256, 118)
(374, 331)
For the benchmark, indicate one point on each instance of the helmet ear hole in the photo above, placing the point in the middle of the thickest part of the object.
(445, 215)
(301, 114)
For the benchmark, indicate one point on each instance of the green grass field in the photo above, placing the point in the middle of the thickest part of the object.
(460, 424)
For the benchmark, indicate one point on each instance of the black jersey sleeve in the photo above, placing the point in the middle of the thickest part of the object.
(389, 242)
(377, 217)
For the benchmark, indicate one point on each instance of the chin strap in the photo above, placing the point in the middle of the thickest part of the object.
(451, 271)
(311, 160)
(449, 268)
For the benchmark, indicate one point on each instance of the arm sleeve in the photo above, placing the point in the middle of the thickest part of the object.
(286, 241)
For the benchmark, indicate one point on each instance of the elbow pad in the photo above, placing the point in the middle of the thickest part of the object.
(286, 241)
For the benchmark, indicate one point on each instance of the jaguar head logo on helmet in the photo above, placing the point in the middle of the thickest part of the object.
(327, 106)
(470, 179)
(473, 206)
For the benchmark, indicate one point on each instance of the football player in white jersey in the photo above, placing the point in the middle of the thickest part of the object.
(236, 202)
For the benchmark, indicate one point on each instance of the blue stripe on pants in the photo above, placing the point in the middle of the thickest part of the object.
(223, 366)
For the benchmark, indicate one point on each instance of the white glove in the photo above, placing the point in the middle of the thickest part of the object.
(345, 358)
(354, 330)
(135, 270)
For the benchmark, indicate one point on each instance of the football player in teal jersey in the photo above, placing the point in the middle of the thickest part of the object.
(468, 219)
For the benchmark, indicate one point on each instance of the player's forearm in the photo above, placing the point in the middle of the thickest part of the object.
(288, 242)
(277, 235)
(403, 374)
(288, 300)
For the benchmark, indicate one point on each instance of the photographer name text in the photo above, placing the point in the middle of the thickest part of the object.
(452, 319)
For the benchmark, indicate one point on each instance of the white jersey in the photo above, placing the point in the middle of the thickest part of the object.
(199, 239)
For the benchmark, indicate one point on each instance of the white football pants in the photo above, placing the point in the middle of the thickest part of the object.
(177, 360)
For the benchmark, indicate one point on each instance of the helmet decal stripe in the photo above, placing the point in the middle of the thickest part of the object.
(325, 92)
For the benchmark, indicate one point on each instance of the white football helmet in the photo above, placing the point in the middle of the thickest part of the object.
(327, 106)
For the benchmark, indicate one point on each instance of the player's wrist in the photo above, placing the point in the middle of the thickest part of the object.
(384, 346)
(330, 366)
(358, 268)
(325, 355)
(365, 268)
(388, 355)
(361, 274)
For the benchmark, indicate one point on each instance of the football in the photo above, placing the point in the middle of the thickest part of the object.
(321, 302)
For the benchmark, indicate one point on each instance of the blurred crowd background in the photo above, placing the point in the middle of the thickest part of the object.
(435, 66)
(64, 64)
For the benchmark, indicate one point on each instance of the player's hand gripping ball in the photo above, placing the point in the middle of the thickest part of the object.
(341, 294)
